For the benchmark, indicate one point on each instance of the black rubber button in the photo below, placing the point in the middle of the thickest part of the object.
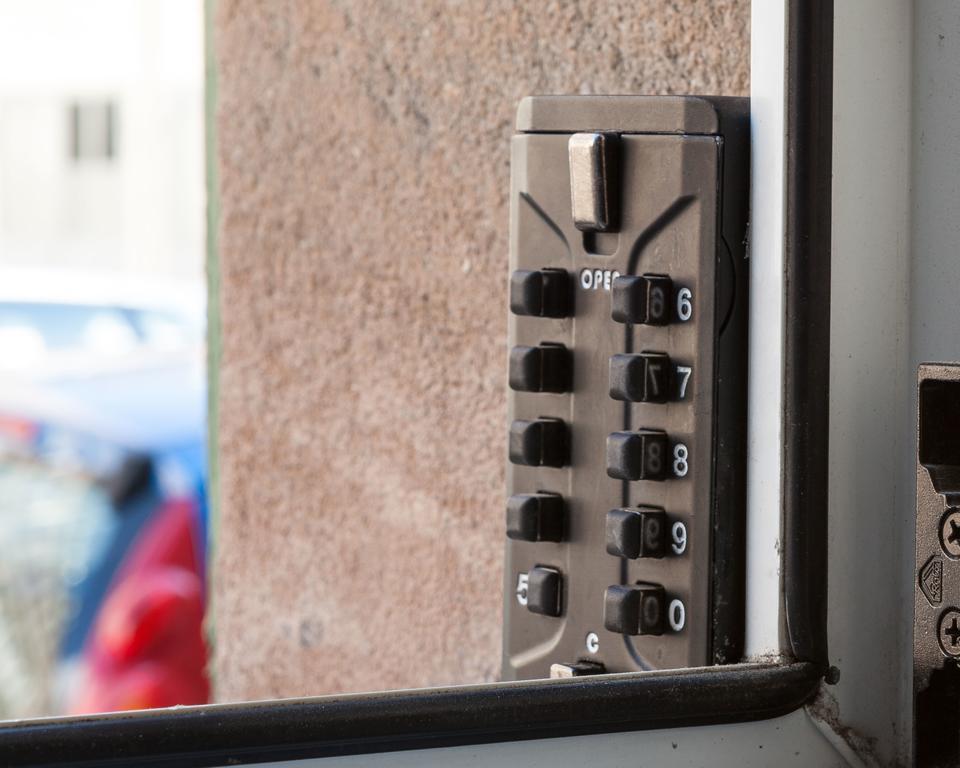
(543, 590)
(539, 442)
(544, 368)
(637, 455)
(535, 517)
(641, 299)
(637, 609)
(637, 532)
(643, 378)
(540, 292)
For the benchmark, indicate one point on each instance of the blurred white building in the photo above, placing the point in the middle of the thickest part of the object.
(101, 135)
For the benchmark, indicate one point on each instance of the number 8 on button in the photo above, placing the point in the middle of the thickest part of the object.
(641, 455)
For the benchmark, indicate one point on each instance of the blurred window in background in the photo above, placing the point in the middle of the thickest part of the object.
(102, 356)
(92, 128)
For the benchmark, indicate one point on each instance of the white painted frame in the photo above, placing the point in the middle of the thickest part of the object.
(765, 373)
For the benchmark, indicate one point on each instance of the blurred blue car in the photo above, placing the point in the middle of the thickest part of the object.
(102, 507)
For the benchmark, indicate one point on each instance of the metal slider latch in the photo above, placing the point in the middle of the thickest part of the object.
(593, 179)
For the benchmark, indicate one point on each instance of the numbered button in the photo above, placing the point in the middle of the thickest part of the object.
(635, 533)
(539, 442)
(641, 299)
(638, 455)
(540, 292)
(636, 609)
(544, 586)
(535, 517)
(544, 368)
(643, 378)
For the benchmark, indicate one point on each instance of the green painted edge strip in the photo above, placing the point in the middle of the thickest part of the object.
(214, 337)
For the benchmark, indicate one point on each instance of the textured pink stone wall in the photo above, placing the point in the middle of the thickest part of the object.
(363, 162)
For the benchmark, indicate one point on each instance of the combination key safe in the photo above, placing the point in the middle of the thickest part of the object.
(627, 401)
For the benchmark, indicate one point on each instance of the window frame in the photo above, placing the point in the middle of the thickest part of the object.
(328, 726)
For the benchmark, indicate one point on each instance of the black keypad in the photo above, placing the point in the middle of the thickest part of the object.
(627, 379)
(643, 378)
(535, 517)
(637, 455)
(540, 292)
(544, 368)
(544, 586)
(641, 299)
(539, 442)
(635, 533)
(638, 609)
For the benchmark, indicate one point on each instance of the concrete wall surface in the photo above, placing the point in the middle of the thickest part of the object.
(363, 166)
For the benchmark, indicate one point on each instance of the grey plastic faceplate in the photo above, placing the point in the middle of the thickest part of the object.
(682, 192)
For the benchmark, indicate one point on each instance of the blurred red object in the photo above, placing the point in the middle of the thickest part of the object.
(147, 648)
(18, 430)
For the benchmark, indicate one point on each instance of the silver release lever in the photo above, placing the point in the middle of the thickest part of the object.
(592, 180)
